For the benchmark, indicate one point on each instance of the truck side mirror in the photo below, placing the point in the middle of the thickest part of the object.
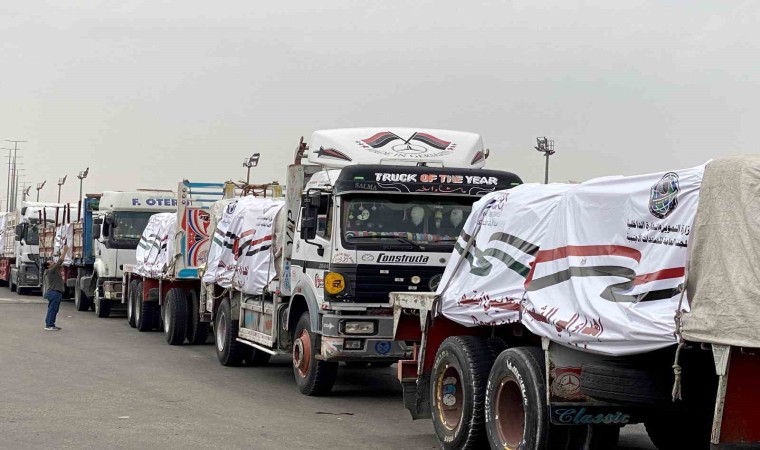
(308, 223)
(19, 231)
(96, 231)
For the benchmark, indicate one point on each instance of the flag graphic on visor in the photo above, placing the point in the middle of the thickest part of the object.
(381, 139)
(430, 140)
(386, 137)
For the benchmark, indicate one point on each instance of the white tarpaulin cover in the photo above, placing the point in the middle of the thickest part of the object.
(598, 265)
(241, 255)
(155, 252)
(64, 236)
(723, 271)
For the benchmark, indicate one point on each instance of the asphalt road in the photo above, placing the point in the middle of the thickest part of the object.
(100, 384)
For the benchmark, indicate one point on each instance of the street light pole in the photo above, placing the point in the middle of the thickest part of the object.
(14, 185)
(253, 161)
(82, 175)
(60, 183)
(39, 188)
(545, 146)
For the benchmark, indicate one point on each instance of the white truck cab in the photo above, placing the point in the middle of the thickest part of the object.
(118, 222)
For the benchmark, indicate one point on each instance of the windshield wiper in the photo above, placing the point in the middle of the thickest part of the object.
(409, 241)
(397, 238)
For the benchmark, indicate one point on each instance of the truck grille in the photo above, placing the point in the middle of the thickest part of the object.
(373, 283)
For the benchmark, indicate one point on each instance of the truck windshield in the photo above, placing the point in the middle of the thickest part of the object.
(128, 227)
(422, 221)
(32, 233)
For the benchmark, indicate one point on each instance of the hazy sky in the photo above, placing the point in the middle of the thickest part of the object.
(146, 93)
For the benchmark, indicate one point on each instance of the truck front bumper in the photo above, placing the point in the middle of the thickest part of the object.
(29, 277)
(112, 289)
(340, 344)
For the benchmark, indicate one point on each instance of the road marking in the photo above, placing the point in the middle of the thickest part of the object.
(23, 300)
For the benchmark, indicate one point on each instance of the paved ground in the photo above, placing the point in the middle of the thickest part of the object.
(101, 384)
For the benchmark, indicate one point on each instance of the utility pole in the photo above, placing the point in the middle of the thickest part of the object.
(253, 161)
(8, 184)
(39, 188)
(82, 175)
(15, 172)
(60, 183)
(545, 146)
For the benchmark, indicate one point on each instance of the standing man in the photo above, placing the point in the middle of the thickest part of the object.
(55, 289)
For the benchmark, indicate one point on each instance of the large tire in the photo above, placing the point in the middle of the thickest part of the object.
(313, 377)
(131, 304)
(230, 352)
(197, 331)
(457, 391)
(102, 308)
(81, 301)
(144, 311)
(175, 317)
(627, 382)
(516, 414)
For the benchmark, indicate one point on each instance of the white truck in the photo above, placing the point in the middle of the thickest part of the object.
(19, 262)
(569, 311)
(105, 240)
(374, 210)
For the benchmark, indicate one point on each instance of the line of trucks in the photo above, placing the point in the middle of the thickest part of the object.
(519, 316)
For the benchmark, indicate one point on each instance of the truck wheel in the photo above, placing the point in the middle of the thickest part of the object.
(102, 308)
(457, 390)
(516, 414)
(660, 429)
(131, 304)
(313, 377)
(175, 317)
(81, 303)
(197, 331)
(230, 352)
(144, 311)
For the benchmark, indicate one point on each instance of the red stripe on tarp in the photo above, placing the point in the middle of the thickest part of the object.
(587, 250)
(675, 272)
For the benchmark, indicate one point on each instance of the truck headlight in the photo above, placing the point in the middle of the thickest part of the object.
(335, 283)
(355, 327)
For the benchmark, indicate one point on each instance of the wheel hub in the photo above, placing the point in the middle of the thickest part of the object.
(302, 353)
(450, 397)
(221, 331)
(510, 412)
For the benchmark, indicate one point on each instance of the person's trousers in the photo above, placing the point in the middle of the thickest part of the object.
(54, 302)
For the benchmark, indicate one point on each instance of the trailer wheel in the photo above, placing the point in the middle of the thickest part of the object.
(197, 331)
(81, 302)
(102, 308)
(516, 414)
(144, 311)
(131, 304)
(230, 352)
(313, 377)
(458, 385)
(175, 316)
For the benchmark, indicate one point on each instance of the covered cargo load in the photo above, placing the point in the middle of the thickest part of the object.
(723, 273)
(598, 265)
(243, 249)
(155, 252)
